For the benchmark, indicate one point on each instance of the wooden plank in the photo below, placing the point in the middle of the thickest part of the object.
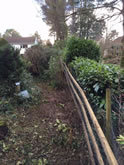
(88, 143)
(110, 156)
(98, 154)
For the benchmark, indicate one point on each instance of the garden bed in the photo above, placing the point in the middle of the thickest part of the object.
(49, 133)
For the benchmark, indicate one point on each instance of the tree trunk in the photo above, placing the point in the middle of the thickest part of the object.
(122, 58)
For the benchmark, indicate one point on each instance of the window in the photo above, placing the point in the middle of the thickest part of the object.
(24, 46)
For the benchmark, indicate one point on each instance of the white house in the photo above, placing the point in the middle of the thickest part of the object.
(22, 43)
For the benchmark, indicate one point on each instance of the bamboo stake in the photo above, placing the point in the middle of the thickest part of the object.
(110, 156)
(96, 148)
(84, 127)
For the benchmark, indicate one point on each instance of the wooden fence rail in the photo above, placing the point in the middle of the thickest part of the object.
(85, 110)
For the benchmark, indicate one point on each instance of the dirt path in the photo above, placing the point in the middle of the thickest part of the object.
(49, 133)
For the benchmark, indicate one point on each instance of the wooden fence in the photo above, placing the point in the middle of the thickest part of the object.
(98, 146)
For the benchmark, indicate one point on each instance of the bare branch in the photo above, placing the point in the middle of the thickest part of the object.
(105, 5)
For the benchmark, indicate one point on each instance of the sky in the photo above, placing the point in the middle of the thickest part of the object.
(115, 23)
(23, 16)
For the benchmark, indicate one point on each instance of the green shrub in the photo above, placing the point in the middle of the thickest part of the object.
(39, 57)
(94, 78)
(3, 42)
(60, 44)
(55, 72)
(77, 47)
(10, 64)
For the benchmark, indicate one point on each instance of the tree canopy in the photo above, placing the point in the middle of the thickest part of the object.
(84, 21)
(11, 33)
(84, 25)
(54, 16)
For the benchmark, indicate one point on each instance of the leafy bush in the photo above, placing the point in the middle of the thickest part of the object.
(94, 78)
(39, 57)
(77, 47)
(3, 42)
(60, 44)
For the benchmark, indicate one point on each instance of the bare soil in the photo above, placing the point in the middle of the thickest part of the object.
(49, 133)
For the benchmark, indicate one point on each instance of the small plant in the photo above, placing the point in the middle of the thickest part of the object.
(120, 139)
(65, 137)
(60, 126)
(63, 133)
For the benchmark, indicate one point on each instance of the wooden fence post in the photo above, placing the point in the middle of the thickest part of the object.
(108, 115)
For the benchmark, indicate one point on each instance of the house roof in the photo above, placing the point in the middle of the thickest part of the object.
(20, 40)
(117, 40)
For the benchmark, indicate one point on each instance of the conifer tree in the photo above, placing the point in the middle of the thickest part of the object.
(12, 66)
(54, 16)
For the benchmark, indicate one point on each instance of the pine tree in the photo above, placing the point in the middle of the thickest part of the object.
(12, 67)
(54, 16)
(84, 22)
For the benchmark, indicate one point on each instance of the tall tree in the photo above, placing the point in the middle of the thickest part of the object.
(54, 16)
(72, 7)
(11, 33)
(122, 59)
(84, 22)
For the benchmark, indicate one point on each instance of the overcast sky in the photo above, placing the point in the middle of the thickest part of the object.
(22, 15)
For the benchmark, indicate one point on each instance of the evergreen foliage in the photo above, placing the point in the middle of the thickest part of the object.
(11, 66)
(84, 22)
(77, 47)
(54, 16)
(3, 42)
(55, 71)
(12, 69)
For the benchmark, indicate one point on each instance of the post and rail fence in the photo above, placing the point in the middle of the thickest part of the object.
(98, 146)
